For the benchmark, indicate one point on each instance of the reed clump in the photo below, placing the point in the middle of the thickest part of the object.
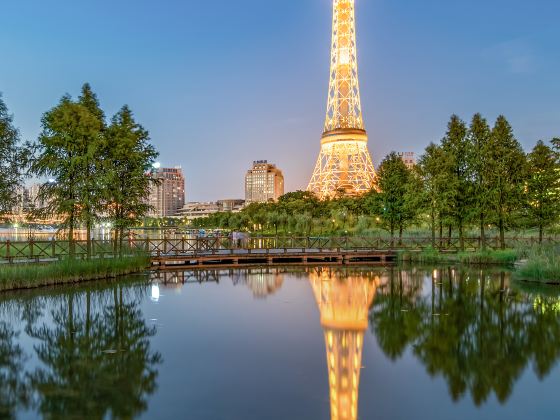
(28, 276)
(540, 264)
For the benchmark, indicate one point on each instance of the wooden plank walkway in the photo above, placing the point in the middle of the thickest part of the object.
(284, 256)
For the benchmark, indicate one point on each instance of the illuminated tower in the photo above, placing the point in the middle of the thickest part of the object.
(344, 164)
(344, 306)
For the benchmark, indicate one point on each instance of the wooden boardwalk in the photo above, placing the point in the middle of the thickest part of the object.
(283, 256)
(188, 251)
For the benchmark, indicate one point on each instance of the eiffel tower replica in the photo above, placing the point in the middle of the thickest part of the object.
(344, 165)
(344, 302)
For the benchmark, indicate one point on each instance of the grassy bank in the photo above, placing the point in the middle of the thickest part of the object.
(28, 276)
(486, 257)
(540, 264)
(533, 264)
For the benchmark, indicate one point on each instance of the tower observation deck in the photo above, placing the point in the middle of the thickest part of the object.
(344, 164)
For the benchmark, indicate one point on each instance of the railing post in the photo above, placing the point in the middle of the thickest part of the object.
(8, 244)
(53, 247)
(31, 249)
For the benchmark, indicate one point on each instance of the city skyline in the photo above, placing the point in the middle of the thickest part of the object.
(409, 71)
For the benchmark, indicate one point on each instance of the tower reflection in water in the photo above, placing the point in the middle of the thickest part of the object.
(344, 300)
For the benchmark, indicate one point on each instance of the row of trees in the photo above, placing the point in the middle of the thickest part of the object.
(97, 169)
(481, 175)
(475, 177)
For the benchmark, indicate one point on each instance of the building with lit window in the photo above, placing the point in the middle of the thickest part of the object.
(408, 158)
(167, 196)
(264, 182)
(197, 210)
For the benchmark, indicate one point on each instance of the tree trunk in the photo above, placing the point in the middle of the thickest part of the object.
(450, 232)
(88, 242)
(541, 233)
(71, 249)
(502, 233)
(116, 242)
(121, 235)
(461, 236)
(400, 234)
(440, 232)
(433, 220)
(482, 232)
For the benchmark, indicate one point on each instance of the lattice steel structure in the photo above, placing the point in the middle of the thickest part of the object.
(344, 164)
(344, 305)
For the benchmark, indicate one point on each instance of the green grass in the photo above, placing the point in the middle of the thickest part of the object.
(489, 257)
(27, 276)
(541, 264)
(481, 257)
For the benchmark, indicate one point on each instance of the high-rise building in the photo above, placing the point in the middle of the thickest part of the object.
(344, 164)
(264, 182)
(408, 158)
(167, 197)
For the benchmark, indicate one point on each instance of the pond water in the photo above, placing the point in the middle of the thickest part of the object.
(284, 343)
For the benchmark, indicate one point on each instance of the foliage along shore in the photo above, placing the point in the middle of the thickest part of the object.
(31, 276)
(539, 264)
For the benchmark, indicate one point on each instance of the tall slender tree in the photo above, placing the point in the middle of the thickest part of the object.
(12, 160)
(128, 158)
(431, 167)
(67, 152)
(507, 177)
(456, 145)
(479, 139)
(91, 190)
(542, 187)
(393, 180)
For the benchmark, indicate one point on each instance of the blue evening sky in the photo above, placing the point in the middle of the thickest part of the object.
(220, 83)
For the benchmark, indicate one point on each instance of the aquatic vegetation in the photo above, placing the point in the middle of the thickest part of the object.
(27, 276)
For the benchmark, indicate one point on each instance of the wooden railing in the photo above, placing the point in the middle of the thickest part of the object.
(46, 250)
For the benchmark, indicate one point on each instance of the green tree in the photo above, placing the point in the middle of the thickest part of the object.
(506, 179)
(90, 160)
(128, 157)
(479, 138)
(456, 145)
(67, 149)
(542, 186)
(393, 178)
(12, 160)
(431, 167)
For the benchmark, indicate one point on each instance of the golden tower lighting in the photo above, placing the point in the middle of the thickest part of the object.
(344, 306)
(344, 164)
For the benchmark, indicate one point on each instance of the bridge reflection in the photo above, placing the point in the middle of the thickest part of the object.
(344, 302)
(262, 281)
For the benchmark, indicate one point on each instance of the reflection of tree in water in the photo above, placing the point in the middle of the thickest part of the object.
(394, 321)
(96, 357)
(469, 327)
(13, 391)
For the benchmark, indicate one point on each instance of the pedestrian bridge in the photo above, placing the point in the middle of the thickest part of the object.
(189, 251)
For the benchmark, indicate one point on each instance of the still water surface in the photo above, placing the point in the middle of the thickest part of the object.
(284, 344)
